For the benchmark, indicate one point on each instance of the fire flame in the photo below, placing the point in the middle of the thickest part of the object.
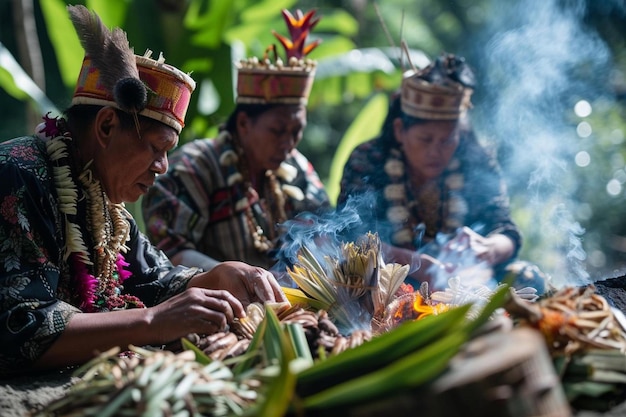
(424, 308)
(412, 306)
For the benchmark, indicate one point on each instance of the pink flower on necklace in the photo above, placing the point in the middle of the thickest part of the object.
(121, 264)
(86, 284)
(49, 126)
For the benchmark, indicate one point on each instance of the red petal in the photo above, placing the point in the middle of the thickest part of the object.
(306, 20)
(289, 19)
(299, 27)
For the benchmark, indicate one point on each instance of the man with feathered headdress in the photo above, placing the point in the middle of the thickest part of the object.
(76, 274)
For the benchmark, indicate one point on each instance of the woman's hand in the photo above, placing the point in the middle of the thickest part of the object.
(422, 267)
(493, 249)
(246, 282)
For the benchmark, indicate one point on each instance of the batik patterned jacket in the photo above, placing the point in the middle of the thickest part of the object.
(472, 193)
(37, 285)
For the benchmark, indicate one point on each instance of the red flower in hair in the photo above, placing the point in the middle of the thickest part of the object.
(299, 28)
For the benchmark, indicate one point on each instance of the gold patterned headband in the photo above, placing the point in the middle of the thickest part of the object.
(440, 91)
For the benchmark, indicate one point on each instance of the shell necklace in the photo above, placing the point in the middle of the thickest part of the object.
(272, 207)
(108, 223)
(440, 205)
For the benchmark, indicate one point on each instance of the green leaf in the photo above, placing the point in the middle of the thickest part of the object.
(298, 339)
(339, 21)
(587, 389)
(266, 10)
(274, 340)
(201, 357)
(331, 47)
(67, 47)
(367, 124)
(16, 82)
(365, 60)
(112, 12)
(210, 25)
(409, 371)
(281, 388)
(253, 349)
(495, 302)
(7, 82)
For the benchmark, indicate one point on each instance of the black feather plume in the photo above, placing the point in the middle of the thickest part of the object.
(130, 94)
(112, 55)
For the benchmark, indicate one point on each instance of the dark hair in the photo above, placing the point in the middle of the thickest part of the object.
(387, 141)
(252, 110)
(80, 116)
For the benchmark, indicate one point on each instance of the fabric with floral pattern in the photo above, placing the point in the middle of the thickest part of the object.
(38, 293)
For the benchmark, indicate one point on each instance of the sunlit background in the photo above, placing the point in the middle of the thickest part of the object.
(550, 99)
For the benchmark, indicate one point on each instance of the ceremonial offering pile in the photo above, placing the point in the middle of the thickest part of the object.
(587, 341)
(356, 340)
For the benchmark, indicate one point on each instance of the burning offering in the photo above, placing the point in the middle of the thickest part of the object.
(586, 338)
(360, 291)
(354, 335)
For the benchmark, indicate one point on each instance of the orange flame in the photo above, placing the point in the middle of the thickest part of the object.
(424, 308)
(414, 307)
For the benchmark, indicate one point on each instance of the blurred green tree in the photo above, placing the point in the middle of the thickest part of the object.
(536, 60)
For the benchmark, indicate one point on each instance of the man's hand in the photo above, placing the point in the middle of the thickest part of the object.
(246, 282)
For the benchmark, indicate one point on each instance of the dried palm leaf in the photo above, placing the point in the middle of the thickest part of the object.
(356, 285)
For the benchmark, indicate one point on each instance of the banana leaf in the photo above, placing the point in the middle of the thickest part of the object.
(278, 348)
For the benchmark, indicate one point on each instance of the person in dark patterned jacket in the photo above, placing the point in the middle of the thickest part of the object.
(77, 277)
(440, 202)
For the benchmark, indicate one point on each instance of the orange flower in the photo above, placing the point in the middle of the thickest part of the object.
(299, 28)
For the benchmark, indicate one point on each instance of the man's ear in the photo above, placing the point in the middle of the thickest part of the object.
(104, 125)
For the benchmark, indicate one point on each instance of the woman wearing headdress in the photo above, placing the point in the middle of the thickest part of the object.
(225, 198)
(440, 201)
(76, 275)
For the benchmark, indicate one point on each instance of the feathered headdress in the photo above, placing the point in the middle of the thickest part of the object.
(113, 57)
(440, 91)
(112, 75)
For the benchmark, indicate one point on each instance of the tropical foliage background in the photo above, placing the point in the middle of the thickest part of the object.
(550, 100)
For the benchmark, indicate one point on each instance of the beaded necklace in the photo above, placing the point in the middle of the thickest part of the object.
(272, 208)
(100, 289)
(439, 206)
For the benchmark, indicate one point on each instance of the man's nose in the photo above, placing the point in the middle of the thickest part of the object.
(160, 164)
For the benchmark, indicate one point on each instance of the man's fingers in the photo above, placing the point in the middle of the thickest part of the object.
(266, 288)
(224, 302)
